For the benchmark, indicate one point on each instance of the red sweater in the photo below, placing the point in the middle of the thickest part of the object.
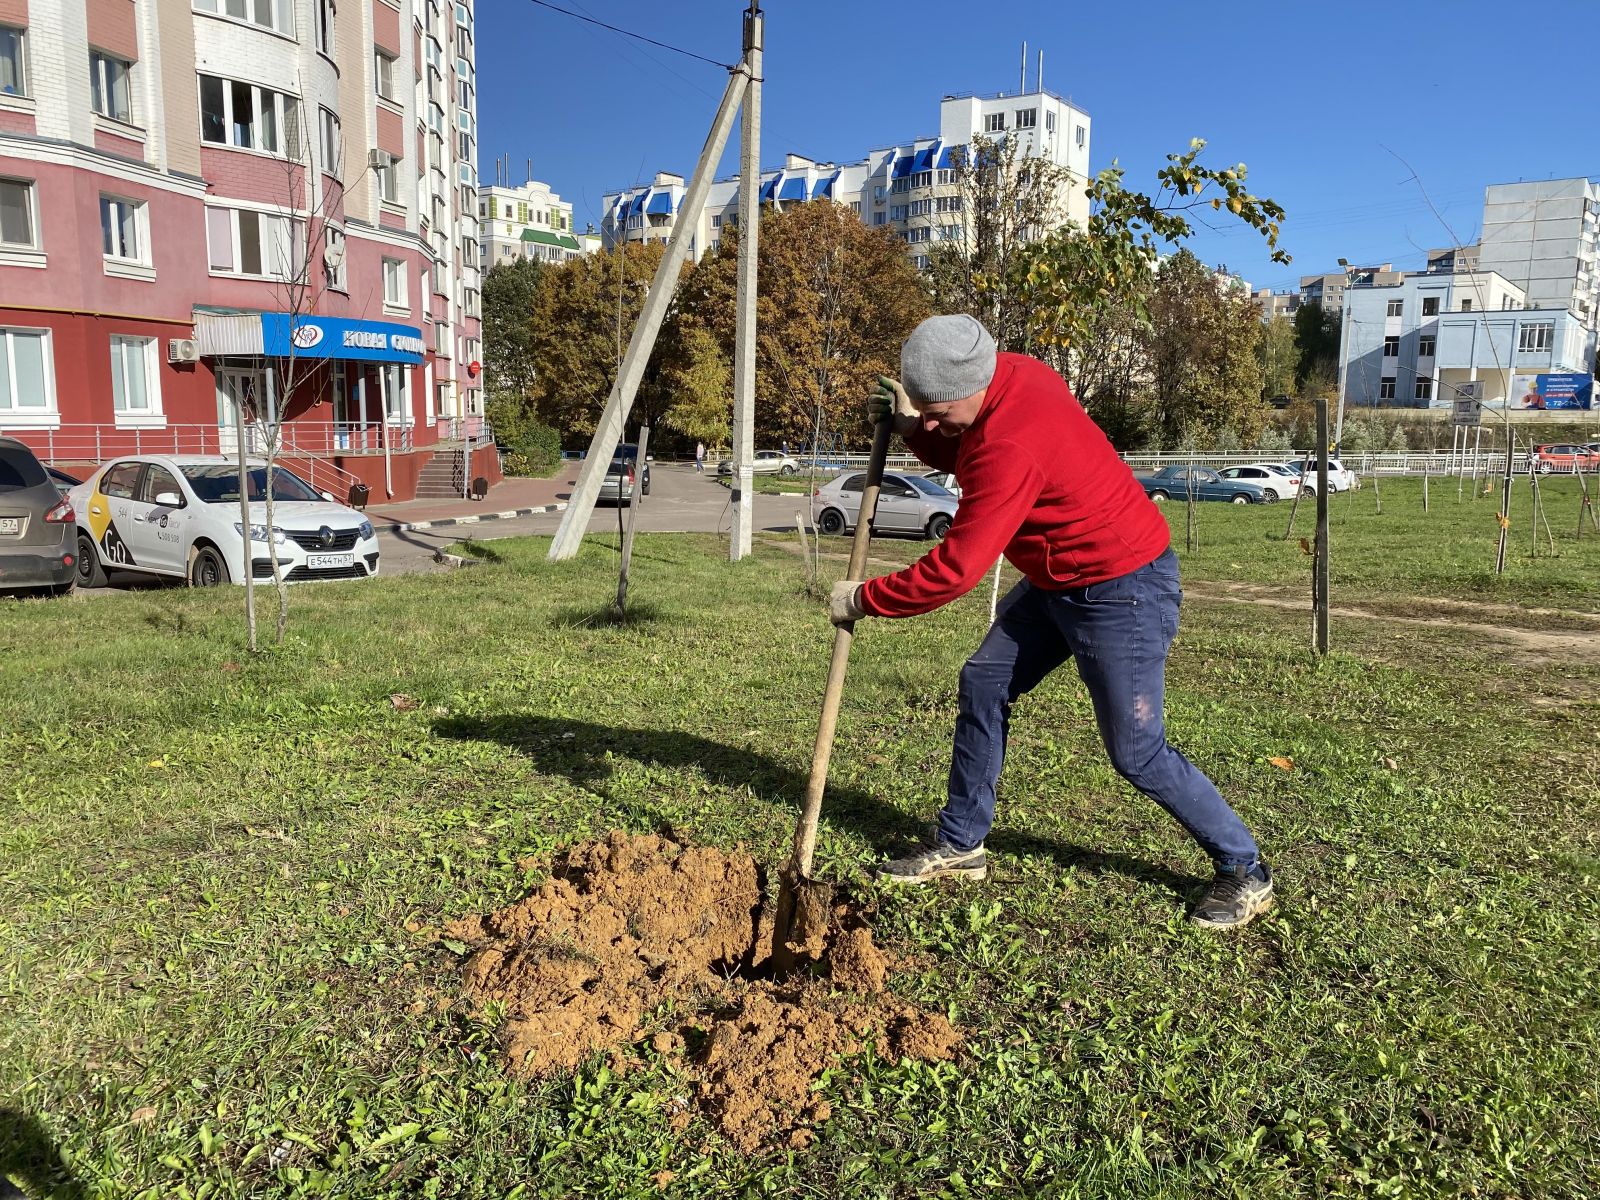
(1039, 483)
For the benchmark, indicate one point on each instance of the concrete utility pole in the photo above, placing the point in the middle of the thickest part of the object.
(744, 349)
(608, 431)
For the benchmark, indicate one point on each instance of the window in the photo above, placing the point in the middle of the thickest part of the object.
(1080, 135)
(1396, 307)
(242, 241)
(945, 175)
(388, 179)
(994, 122)
(394, 381)
(1049, 121)
(946, 204)
(383, 73)
(157, 482)
(394, 282)
(716, 221)
(915, 236)
(441, 400)
(26, 380)
(13, 63)
(121, 481)
(333, 265)
(920, 262)
(1391, 347)
(121, 235)
(855, 207)
(135, 386)
(1466, 306)
(1425, 347)
(1027, 118)
(330, 141)
(276, 15)
(325, 11)
(16, 214)
(1430, 306)
(919, 208)
(1424, 388)
(897, 212)
(1536, 337)
(1386, 389)
(108, 86)
(922, 179)
(249, 117)
(879, 218)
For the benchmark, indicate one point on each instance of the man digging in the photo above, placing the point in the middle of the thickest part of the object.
(1041, 483)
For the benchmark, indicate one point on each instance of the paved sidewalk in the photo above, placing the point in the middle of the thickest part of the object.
(508, 499)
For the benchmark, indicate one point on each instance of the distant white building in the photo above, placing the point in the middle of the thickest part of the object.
(909, 187)
(530, 221)
(1411, 342)
(1545, 237)
(1276, 304)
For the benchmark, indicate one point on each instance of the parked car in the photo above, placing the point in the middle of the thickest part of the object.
(622, 474)
(64, 482)
(178, 515)
(1176, 483)
(766, 462)
(946, 480)
(1567, 457)
(1339, 479)
(38, 545)
(1282, 483)
(906, 504)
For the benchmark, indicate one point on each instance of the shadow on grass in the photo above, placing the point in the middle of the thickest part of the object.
(28, 1155)
(577, 750)
(575, 616)
(480, 550)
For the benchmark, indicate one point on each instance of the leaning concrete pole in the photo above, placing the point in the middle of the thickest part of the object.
(744, 350)
(608, 432)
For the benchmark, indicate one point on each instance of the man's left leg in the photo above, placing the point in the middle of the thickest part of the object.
(1120, 632)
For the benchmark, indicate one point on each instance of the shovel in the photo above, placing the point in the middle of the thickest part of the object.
(804, 903)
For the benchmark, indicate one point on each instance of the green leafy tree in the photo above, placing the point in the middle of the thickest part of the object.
(834, 303)
(1280, 357)
(698, 377)
(1316, 337)
(507, 300)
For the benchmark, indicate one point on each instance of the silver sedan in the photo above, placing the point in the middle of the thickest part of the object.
(906, 504)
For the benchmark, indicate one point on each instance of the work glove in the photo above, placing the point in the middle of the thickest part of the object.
(888, 397)
(845, 604)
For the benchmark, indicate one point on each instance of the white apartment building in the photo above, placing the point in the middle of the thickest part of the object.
(1545, 237)
(530, 221)
(1411, 342)
(909, 187)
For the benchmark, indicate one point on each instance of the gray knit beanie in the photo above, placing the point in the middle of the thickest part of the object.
(947, 358)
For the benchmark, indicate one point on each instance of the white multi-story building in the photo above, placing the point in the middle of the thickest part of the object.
(1409, 343)
(1545, 237)
(530, 221)
(908, 187)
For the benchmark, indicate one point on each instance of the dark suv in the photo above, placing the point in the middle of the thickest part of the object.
(38, 530)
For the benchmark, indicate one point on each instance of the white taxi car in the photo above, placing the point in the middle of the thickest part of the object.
(179, 515)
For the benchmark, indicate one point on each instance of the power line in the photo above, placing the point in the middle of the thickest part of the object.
(629, 33)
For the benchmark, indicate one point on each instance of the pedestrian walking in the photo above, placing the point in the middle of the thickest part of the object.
(700, 458)
(1041, 483)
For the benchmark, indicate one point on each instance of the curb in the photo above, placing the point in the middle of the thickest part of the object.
(474, 519)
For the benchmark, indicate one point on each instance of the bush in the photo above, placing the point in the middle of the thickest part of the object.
(527, 447)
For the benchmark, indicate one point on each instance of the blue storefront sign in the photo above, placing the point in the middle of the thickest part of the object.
(338, 338)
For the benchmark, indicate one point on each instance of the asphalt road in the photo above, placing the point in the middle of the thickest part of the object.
(680, 501)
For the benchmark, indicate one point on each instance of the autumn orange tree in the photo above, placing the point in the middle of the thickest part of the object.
(834, 303)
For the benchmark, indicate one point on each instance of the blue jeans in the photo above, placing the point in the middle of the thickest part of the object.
(1118, 632)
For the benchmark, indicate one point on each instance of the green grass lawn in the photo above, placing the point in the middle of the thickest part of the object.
(224, 876)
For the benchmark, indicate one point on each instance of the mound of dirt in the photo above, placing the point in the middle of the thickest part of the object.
(631, 926)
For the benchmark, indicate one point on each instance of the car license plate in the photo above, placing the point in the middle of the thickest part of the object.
(326, 562)
(10, 524)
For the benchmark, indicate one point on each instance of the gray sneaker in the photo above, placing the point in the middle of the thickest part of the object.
(933, 860)
(1236, 896)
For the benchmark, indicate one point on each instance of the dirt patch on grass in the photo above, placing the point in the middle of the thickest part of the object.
(638, 939)
(1580, 635)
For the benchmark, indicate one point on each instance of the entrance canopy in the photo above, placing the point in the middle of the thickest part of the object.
(280, 335)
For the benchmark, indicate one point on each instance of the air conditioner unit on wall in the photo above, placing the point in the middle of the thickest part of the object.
(377, 159)
(183, 350)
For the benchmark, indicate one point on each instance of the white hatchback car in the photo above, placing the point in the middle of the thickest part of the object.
(179, 515)
(1278, 480)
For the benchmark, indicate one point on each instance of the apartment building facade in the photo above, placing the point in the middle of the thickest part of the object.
(530, 221)
(909, 187)
(1545, 237)
(1411, 343)
(200, 197)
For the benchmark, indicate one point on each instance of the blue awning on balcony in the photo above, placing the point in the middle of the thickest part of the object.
(902, 167)
(824, 187)
(794, 188)
(661, 202)
(925, 157)
(769, 189)
(948, 158)
(638, 204)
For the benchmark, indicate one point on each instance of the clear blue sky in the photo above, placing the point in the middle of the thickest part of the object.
(1311, 96)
